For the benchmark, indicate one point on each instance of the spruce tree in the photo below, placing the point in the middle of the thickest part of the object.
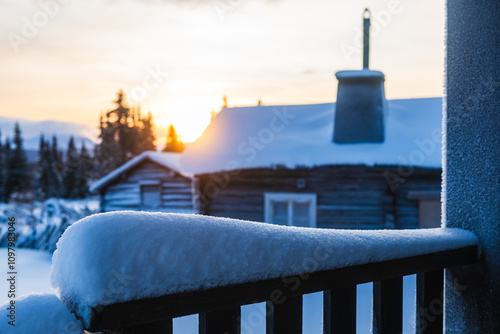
(18, 174)
(55, 173)
(124, 134)
(9, 181)
(124, 129)
(42, 181)
(70, 170)
(173, 144)
(83, 173)
(3, 168)
(147, 134)
(106, 151)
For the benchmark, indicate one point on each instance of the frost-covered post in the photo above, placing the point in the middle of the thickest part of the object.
(471, 180)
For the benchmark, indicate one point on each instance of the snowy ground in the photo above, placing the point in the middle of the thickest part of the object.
(34, 272)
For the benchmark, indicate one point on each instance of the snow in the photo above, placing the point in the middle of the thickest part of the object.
(364, 73)
(168, 160)
(39, 313)
(39, 225)
(33, 272)
(301, 135)
(106, 258)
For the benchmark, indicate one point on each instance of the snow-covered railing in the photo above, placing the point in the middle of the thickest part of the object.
(132, 272)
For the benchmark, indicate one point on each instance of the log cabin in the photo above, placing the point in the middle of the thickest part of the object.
(152, 181)
(279, 164)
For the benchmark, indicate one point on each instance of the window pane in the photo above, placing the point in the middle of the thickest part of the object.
(280, 213)
(301, 214)
(150, 196)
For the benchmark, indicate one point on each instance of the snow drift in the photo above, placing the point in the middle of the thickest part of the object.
(39, 313)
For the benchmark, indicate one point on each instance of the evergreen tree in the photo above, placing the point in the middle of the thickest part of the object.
(106, 152)
(83, 173)
(56, 162)
(18, 166)
(42, 182)
(147, 134)
(124, 133)
(70, 170)
(125, 129)
(173, 144)
(3, 168)
(8, 184)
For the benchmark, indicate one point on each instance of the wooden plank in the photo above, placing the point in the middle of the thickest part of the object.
(175, 305)
(124, 202)
(161, 327)
(339, 310)
(388, 306)
(284, 316)
(177, 198)
(220, 322)
(108, 208)
(430, 302)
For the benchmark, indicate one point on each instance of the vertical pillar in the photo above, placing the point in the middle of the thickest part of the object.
(471, 179)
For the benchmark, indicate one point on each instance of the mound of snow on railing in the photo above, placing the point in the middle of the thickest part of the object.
(38, 313)
(120, 256)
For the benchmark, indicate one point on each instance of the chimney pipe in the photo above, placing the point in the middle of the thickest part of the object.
(361, 105)
(366, 38)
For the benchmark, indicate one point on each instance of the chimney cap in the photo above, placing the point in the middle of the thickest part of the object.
(364, 73)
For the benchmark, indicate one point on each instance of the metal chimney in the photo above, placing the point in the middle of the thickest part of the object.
(360, 106)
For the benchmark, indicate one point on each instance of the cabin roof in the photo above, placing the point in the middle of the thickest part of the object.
(301, 136)
(165, 159)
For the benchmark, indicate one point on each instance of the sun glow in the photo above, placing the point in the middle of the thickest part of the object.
(190, 117)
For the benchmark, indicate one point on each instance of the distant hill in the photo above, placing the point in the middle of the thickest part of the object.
(31, 131)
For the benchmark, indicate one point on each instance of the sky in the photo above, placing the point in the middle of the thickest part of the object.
(66, 59)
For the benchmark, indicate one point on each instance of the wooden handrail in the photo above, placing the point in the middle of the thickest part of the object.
(160, 309)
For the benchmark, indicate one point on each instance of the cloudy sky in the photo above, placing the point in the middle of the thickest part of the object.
(66, 59)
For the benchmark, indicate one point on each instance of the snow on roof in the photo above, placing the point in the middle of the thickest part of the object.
(301, 135)
(364, 73)
(38, 313)
(165, 159)
(194, 252)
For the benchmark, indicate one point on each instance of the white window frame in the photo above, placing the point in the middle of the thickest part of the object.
(269, 198)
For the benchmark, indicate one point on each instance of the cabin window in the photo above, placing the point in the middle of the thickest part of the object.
(290, 209)
(150, 196)
(429, 207)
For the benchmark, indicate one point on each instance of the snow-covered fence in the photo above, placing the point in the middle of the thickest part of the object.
(132, 272)
(40, 225)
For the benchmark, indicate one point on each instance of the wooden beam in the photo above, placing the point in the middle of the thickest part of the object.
(430, 302)
(162, 327)
(284, 317)
(388, 306)
(220, 322)
(136, 312)
(339, 310)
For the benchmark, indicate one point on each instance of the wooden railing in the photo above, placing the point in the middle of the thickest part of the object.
(219, 308)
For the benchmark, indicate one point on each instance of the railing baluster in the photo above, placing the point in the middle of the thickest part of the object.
(430, 302)
(162, 327)
(388, 306)
(339, 310)
(220, 322)
(284, 318)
